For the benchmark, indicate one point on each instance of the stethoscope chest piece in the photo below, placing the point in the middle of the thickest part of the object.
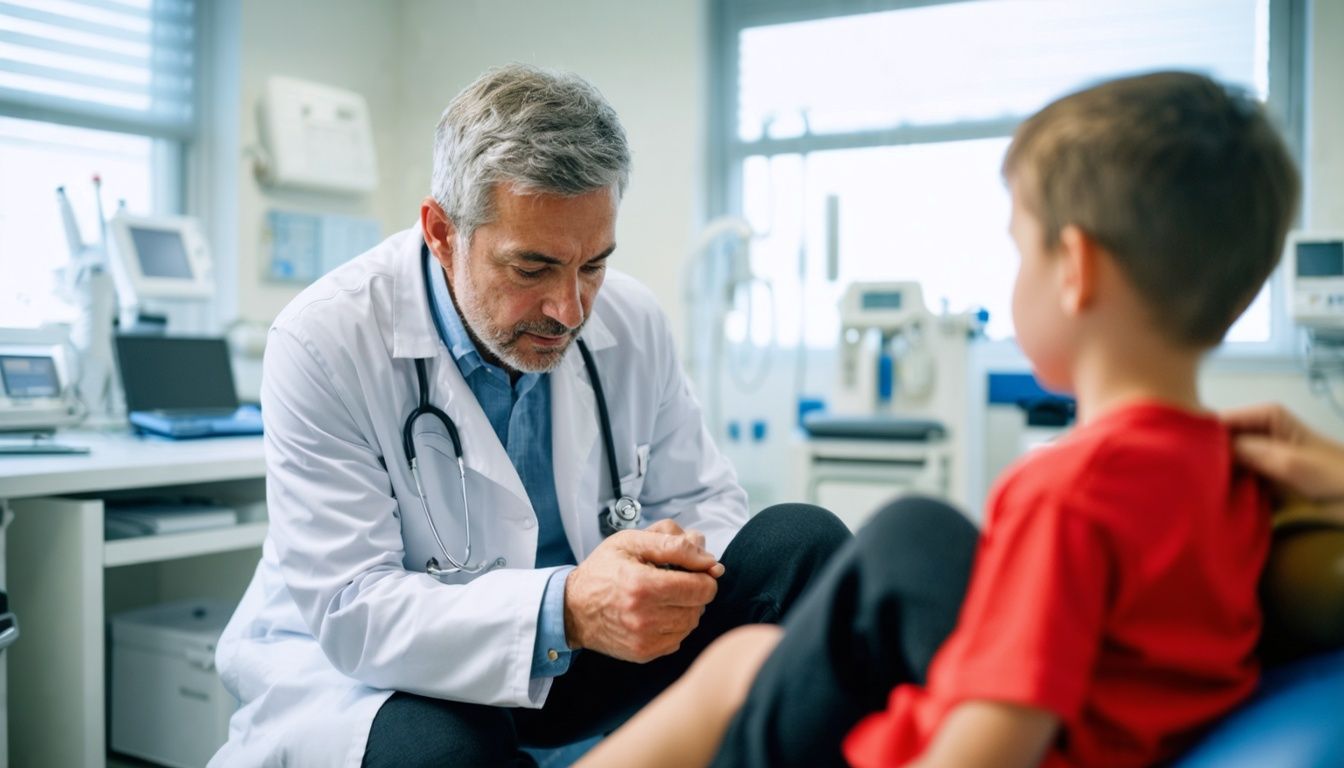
(433, 569)
(622, 514)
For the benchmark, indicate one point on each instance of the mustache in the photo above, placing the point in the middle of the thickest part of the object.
(544, 327)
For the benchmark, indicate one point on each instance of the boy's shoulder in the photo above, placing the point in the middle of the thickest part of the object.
(1133, 460)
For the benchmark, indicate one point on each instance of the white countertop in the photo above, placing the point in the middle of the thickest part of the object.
(120, 460)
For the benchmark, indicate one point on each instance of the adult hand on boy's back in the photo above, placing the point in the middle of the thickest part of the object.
(1275, 443)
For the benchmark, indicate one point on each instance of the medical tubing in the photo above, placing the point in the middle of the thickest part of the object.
(749, 384)
(607, 439)
(1324, 361)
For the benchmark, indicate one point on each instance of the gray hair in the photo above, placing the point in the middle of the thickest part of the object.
(546, 132)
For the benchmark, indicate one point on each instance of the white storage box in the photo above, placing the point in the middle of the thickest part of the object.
(168, 704)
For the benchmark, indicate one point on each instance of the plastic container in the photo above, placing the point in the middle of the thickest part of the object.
(168, 704)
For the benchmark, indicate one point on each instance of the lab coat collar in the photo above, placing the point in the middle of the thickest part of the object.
(413, 333)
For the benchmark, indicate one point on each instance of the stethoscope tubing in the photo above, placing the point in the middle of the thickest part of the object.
(424, 408)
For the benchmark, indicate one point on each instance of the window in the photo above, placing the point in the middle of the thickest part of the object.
(87, 87)
(897, 118)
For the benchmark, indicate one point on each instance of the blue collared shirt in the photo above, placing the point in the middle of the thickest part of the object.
(520, 413)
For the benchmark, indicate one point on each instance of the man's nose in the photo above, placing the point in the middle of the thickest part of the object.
(565, 304)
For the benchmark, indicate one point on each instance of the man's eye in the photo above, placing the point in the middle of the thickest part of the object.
(530, 274)
(593, 269)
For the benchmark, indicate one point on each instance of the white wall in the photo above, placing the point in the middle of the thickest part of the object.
(353, 44)
(647, 58)
(410, 57)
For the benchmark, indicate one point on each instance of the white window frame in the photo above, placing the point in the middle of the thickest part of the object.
(1286, 104)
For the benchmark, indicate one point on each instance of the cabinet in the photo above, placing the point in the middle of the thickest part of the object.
(64, 579)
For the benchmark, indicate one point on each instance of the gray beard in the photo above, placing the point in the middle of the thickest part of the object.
(500, 347)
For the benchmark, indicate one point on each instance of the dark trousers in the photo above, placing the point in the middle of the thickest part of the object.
(768, 566)
(873, 620)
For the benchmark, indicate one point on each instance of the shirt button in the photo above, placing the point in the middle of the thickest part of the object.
(529, 524)
(552, 655)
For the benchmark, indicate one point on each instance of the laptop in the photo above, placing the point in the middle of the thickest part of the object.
(182, 387)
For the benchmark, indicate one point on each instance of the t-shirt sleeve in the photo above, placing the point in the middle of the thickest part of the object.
(1032, 623)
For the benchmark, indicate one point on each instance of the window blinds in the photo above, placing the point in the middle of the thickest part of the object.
(122, 65)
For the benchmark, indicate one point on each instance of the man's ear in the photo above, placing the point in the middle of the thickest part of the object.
(1077, 263)
(440, 234)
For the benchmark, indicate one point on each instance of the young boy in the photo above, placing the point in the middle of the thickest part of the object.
(1112, 613)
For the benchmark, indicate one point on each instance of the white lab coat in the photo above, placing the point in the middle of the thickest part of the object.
(340, 611)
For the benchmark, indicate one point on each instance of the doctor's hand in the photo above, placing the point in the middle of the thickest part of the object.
(1273, 442)
(618, 604)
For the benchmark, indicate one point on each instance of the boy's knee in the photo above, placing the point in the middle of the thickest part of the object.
(804, 521)
(811, 531)
(913, 530)
(918, 518)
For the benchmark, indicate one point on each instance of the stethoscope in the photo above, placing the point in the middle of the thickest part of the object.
(623, 513)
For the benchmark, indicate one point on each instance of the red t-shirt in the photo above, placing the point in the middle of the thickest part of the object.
(1115, 586)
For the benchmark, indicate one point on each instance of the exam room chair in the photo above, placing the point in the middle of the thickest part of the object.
(1296, 717)
(1295, 720)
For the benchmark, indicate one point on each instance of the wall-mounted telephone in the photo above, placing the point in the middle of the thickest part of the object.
(317, 137)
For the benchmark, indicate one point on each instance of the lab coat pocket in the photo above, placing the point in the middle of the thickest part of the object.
(633, 483)
(642, 460)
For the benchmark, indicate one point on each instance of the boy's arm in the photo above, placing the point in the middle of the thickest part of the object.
(990, 733)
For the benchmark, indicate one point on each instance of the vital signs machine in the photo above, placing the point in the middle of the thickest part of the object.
(1315, 264)
(899, 409)
(36, 392)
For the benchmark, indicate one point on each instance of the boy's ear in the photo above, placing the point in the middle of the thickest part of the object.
(1077, 269)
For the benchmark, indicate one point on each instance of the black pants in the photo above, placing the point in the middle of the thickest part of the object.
(768, 566)
(873, 620)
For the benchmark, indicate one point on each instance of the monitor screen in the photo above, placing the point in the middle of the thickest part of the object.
(1320, 259)
(161, 253)
(882, 300)
(167, 373)
(29, 376)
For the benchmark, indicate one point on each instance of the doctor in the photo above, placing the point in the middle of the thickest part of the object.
(496, 517)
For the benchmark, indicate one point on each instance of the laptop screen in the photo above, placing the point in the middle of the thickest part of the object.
(167, 373)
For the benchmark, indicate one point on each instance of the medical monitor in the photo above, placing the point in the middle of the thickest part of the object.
(1315, 266)
(35, 391)
(29, 376)
(160, 257)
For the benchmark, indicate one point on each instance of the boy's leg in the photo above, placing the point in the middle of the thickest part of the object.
(769, 565)
(872, 621)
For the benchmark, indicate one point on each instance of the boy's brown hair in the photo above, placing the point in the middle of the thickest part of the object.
(1184, 181)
